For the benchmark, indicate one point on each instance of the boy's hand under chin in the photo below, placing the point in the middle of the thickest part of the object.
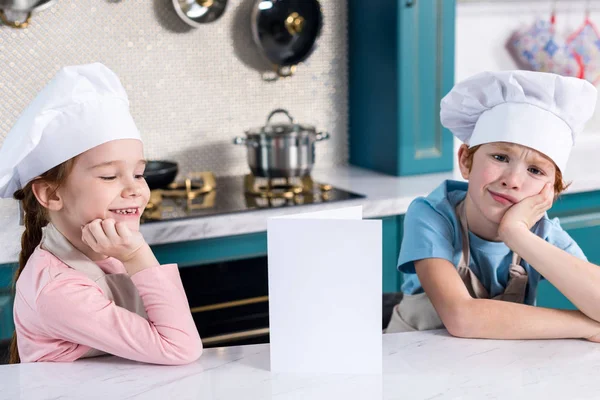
(115, 239)
(526, 213)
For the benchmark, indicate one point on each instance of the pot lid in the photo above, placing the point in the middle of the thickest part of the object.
(280, 128)
(286, 30)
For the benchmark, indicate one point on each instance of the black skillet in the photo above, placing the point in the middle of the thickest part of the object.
(159, 174)
(286, 31)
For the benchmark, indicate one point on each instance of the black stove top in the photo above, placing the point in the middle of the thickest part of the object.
(230, 197)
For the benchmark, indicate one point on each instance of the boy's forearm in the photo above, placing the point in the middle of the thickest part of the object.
(577, 279)
(494, 319)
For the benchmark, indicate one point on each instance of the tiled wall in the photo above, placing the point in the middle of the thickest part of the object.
(191, 90)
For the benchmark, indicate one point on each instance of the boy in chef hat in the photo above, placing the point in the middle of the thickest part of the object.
(463, 243)
(87, 282)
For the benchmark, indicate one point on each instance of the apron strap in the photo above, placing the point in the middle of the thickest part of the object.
(461, 212)
(465, 258)
(116, 287)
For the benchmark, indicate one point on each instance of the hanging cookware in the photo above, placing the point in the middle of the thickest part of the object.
(583, 44)
(18, 5)
(539, 48)
(159, 174)
(195, 13)
(17, 13)
(281, 150)
(286, 31)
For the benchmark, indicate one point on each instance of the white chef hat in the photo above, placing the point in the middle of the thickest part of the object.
(539, 110)
(82, 107)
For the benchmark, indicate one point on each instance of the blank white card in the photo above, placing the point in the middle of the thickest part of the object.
(325, 291)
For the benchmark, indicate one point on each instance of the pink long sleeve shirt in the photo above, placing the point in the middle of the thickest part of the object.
(62, 315)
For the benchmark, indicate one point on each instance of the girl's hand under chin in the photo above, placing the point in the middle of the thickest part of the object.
(113, 239)
(524, 214)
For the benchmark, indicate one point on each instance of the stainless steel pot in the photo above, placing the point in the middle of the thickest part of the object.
(282, 150)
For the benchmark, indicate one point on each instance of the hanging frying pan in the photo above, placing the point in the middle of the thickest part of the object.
(286, 31)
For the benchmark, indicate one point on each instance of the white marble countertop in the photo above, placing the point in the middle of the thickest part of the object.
(420, 365)
(385, 196)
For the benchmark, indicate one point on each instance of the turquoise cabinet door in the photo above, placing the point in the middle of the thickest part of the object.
(209, 251)
(392, 237)
(7, 325)
(401, 63)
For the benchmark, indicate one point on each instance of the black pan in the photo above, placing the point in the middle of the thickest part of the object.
(159, 174)
(286, 31)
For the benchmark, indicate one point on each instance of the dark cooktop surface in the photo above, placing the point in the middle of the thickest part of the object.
(230, 197)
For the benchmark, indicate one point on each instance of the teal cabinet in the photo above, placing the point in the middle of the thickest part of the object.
(7, 325)
(392, 238)
(210, 251)
(401, 63)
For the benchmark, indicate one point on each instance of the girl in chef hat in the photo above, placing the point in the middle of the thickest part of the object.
(467, 245)
(88, 284)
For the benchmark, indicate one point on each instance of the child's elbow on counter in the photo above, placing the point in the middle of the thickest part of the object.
(185, 353)
(459, 322)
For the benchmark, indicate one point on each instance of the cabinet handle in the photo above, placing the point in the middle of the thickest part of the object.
(410, 3)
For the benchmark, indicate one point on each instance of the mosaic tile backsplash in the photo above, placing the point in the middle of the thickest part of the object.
(192, 90)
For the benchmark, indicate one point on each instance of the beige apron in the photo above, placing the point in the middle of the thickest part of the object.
(416, 312)
(116, 287)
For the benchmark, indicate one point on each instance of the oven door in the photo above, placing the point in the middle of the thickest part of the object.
(229, 301)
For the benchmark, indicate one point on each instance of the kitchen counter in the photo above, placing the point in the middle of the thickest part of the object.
(419, 365)
(385, 196)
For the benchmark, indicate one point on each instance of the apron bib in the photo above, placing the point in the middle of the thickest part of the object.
(416, 312)
(118, 288)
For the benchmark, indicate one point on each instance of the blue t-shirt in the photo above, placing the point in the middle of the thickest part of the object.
(432, 230)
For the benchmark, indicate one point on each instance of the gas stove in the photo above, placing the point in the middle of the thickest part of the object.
(202, 194)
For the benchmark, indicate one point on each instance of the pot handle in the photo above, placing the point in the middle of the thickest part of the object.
(285, 72)
(321, 136)
(280, 111)
(245, 142)
(278, 72)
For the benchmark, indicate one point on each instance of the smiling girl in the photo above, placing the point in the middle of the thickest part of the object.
(88, 284)
(460, 268)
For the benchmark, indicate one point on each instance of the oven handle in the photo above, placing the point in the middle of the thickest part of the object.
(228, 337)
(229, 304)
